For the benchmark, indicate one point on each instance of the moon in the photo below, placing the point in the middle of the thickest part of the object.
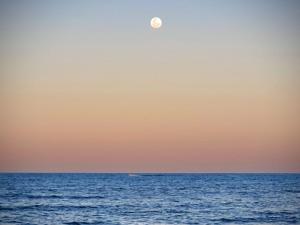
(155, 22)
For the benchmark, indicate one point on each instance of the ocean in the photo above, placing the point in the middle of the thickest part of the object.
(111, 199)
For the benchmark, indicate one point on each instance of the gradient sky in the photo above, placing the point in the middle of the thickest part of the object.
(88, 86)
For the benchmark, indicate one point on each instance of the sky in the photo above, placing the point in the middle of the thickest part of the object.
(89, 86)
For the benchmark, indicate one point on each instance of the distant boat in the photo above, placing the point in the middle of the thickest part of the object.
(133, 175)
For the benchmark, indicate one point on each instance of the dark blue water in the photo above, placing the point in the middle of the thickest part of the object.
(149, 199)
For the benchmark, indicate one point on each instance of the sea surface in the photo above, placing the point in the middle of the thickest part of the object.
(140, 199)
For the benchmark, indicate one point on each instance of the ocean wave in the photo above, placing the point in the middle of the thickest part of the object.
(258, 220)
(62, 197)
(46, 207)
(86, 197)
(83, 223)
(5, 208)
(42, 196)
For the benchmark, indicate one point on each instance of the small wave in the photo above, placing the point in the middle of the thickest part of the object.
(243, 220)
(46, 207)
(4, 208)
(60, 197)
(82, 223)
(43, 196)
(73, 223)
(176, 211)
(86, 197)
(25, 207)
(258, 220)
(293, 191)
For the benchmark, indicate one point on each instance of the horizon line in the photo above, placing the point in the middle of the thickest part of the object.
(73, 172)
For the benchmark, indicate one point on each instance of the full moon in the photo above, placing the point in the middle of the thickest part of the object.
(155, 22)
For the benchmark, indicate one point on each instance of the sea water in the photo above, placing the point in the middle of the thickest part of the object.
(149, 199)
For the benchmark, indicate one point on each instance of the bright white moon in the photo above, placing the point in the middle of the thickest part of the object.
(156, 22)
